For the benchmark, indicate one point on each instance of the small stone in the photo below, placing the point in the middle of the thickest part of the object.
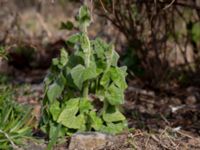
(34, 146)
(90, 141)
(175, 101)
(142, 109)
(191, 100)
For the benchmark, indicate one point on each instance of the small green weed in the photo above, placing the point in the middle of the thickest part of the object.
(4, 79)
(15, 121)
(3, 53)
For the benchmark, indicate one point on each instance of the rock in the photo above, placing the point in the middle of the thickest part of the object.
(190, 100)
(90, 141)
(175, 101)
(34, 146)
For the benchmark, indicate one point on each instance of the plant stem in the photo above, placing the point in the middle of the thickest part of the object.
(86, 89)
(87, 64)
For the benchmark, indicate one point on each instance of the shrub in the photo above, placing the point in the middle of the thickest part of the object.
(154, 30)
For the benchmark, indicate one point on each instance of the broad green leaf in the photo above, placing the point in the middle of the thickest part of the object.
(73, 102)
(118, 77)
(113, 128)
(112, 56)
(55, 110)
(63, 57)
(56, 88)
(115, 58)
(55, 61)
(90, 72)
(96, 122)
(77, 74)
(82, 56)
(74, 122)
(80, 74)
(80, 122)
(105, 80)
(48, 80)
(73, 39)
(123, 75)
(52, 130)
(84, 16)
(114, 95)
(85, 43)
(70, 85)
(100, 66)
(109, 55)
(75, 59)
(112, 114)
(68, 115)
(55, 131)
(99, 47)
(85, 105)
(124, 69)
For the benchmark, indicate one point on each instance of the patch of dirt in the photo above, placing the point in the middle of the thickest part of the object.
(156, 129)
(151, 111)
(165, 140)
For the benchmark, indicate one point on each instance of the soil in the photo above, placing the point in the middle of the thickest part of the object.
(153, 128)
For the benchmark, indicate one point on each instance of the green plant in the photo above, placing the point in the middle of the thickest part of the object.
(83, 91)
(4, 79)
(3, 53)
(15, 121)
(194, 32)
